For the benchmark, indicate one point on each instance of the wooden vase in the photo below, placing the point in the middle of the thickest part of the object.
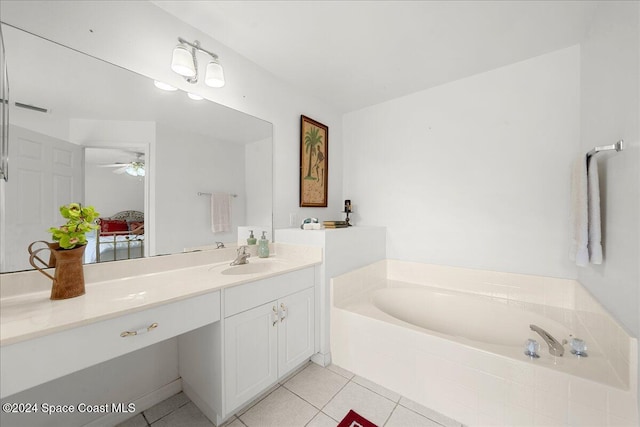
(68, 279)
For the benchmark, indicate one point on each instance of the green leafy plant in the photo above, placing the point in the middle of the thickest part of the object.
(80, 220)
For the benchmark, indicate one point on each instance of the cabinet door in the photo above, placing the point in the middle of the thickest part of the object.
(295, 335)
(250, 362)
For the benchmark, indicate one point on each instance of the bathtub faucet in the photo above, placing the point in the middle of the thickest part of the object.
(555, 348)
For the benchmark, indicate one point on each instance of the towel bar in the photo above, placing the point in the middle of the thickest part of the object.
(208, 194)
(617, 146)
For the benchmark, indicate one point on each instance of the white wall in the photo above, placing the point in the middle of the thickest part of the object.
(197, 164)
(259, 172)
(610, 108)
(472, 173)
(110, 193)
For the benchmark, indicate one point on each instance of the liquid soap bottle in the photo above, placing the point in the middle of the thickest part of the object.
(251, 240)
(263, 246)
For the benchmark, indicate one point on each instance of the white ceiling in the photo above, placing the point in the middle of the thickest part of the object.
(352, 54)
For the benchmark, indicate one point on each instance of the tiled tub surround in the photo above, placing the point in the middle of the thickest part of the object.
(128, 292)
(485, 382)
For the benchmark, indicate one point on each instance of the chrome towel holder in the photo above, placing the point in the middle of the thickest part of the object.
(200, 193)
(618, 146)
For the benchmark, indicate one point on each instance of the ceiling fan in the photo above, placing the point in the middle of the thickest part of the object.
(133, 168)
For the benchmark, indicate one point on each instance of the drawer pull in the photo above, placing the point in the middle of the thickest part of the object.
(139, 331)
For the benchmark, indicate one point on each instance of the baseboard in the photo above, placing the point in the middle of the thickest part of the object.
(207, 410)
(323, 360)
(142, 404)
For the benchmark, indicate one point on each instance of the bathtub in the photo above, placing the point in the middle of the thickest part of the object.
(452, 339)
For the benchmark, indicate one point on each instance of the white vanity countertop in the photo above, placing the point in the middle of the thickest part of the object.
(30, 315)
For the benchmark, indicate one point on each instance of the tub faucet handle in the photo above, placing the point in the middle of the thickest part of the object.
(578, 347)
(531, 348)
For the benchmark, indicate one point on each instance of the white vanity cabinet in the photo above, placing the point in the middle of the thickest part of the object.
(267, 330)
(265, 343)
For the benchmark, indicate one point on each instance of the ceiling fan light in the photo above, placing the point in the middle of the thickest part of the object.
(215, 74)
(164, 86)
(135, 169)
(183, 62)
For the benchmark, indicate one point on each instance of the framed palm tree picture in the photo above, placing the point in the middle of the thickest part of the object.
(314, 163)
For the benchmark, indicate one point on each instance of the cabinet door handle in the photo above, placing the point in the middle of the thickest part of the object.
(283, 312)
(275, 316)
(149, 328)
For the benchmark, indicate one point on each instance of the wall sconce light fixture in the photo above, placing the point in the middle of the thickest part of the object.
(185, 63)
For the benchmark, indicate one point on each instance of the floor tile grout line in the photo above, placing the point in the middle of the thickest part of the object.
(323, 406)
(167, 414)
(255, 402)
(333, 397)
(307, 423)
(422, 415)
(373, 391)
(390, 414)
(337, 373)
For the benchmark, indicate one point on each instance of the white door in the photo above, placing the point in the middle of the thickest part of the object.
(250, 362)
(295, 335)
(45, 173)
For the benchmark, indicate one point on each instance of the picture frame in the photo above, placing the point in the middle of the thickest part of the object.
(314, 163)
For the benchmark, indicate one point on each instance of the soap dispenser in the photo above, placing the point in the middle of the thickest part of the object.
(251, 240)
(263, 246)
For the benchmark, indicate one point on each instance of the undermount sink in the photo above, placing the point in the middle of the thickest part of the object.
(247, 269)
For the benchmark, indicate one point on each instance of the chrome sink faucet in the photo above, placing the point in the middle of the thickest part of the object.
(242, 256)
(555, 347)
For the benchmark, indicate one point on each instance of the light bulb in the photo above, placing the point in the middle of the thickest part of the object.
(164, 86)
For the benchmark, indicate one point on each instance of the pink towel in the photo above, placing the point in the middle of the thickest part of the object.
(220, 212)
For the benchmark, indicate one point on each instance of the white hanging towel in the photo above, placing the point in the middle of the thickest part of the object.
(593, 194)
(579, 251)
(220, 212)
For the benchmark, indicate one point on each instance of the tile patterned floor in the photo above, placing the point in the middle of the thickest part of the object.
(313, 397)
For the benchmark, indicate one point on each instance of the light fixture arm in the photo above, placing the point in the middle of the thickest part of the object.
(195, 46)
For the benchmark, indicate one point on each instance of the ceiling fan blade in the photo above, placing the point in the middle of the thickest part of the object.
(113, 165)
(121, 170)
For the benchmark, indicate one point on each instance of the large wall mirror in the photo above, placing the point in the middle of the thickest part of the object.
(83, 130)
